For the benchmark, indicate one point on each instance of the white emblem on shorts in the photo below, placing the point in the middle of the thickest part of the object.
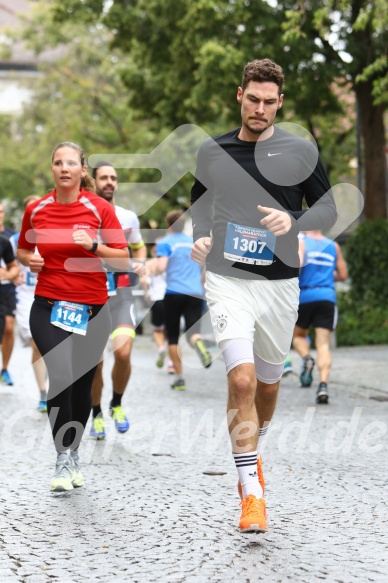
(221, 323)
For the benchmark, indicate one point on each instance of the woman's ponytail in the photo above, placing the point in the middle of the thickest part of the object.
(88, 183)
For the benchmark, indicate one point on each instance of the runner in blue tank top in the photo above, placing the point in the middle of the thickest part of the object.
(316, 280)
(184, 293)
(322, 264)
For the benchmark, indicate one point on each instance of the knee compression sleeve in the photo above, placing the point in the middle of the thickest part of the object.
(236, 351)
(267, 373)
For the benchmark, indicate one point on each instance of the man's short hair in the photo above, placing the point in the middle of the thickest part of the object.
(262, 71)
(175, 221)
(100, 164)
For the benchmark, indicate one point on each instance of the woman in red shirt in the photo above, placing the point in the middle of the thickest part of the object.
(74, 231)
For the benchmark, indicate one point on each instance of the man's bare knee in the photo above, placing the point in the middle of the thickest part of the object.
(267, 392)
(122, 355)
(241, 385)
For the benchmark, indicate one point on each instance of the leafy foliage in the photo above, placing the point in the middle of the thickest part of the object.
(131, 71)
(367, 260)
(363, 311)
(361, 323)
(350, 45)
(80, 98)
(187, 57)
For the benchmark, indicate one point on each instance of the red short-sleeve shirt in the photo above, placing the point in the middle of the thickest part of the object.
(69, 272)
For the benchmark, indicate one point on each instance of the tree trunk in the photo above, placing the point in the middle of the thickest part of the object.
(375, 164)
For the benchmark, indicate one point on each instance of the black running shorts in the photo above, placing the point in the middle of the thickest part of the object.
(322, 314)
(157, 314)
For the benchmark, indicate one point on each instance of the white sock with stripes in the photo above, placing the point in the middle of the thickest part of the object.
(246, 464)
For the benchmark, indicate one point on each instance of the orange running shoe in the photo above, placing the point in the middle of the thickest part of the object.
(260, 475)
(253, 514)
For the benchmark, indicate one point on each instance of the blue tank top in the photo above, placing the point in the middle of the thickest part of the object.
(316, 279)
(183, 274)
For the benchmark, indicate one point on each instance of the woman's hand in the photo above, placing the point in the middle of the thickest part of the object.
(81, 238)
(36, 263)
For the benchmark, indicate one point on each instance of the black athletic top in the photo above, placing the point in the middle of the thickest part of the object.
(233, 177)
(6, 250)
(7, 255)
(6, 285)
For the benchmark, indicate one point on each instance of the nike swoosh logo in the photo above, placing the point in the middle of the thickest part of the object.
(277, 154)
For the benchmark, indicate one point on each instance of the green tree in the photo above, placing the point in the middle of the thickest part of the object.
(368, 263)
(79, 97)
(347, 41)
(363, 311)
(179, 61)
(186, 56)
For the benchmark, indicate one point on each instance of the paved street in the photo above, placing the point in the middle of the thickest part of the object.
(160, 502)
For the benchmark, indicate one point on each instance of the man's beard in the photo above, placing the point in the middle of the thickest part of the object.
(104, 194)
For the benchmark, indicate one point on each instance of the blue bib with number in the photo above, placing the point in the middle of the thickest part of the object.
(251, 245)
(70, 316)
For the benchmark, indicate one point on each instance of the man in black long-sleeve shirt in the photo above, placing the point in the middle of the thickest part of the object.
(247, 212)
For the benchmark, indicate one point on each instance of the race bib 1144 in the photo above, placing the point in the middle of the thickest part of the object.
(70, 316)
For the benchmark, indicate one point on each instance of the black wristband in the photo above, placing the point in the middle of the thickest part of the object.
(94, 246)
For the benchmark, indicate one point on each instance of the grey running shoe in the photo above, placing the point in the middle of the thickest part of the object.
(178, 385)
(62, 479)
(161, 357)
(203, 353)
(322, 394)
(77, 478)
(306, 376)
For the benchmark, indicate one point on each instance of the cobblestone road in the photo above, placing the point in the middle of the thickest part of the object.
(160, 502)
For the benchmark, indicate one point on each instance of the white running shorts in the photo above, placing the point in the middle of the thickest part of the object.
(262, 311)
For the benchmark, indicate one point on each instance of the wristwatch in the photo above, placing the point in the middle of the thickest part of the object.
(94, 246)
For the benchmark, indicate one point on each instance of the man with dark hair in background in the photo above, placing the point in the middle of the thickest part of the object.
(121, 306)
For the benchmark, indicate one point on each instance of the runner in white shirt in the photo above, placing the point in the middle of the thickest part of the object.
(25, 292)
(122, 308)
(155, 289)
